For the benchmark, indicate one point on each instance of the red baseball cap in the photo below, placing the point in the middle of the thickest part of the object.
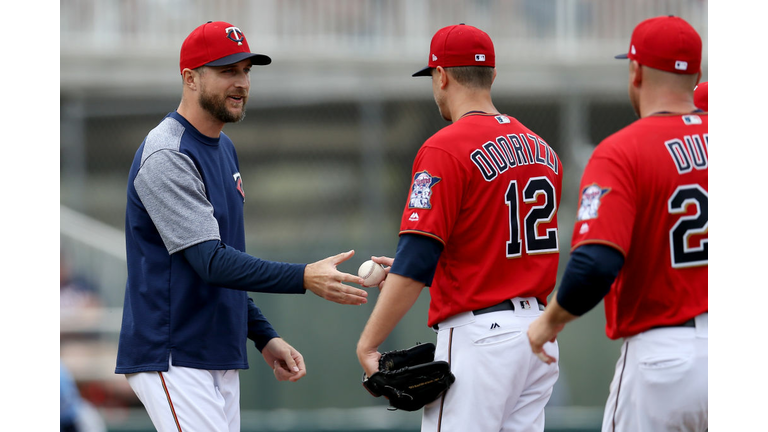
(217, 43)
(666, 43)
(459, 45)
(701, 96)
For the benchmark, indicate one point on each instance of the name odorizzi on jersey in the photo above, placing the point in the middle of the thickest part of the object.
(510, 151)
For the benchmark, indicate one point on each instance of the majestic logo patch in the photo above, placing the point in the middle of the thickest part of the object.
(590, 201)
(235, 35)
(239, 184)
(414, 217)
(421, 191)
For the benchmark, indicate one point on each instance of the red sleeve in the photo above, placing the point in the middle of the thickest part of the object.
(607, 210)
(434, 198)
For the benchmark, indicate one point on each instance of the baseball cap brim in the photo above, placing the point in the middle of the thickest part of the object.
(427, 71)
(256, 59)
(622, 56)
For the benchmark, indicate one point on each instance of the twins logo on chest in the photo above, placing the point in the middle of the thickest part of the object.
(239, 184)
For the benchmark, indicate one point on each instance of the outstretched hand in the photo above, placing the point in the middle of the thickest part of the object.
(323, 279)
(285, 361)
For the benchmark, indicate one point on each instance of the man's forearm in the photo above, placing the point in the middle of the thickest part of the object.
(556, 315)
(396, 299)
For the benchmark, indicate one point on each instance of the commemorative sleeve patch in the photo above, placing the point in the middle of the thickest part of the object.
(421, 190)
(590, 201)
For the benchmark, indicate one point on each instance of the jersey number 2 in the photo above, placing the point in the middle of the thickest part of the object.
(541, 213)
(684, 255)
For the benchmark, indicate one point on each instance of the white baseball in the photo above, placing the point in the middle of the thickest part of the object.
(372, 273)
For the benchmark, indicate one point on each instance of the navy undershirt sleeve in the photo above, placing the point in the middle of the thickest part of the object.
(416, 257)
(588, 277)
(260, 331)
(225, 266)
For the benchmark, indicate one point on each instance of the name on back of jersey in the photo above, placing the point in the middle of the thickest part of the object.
(510, 151)
(692, 152)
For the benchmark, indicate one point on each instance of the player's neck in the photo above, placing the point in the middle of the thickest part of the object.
(667, 102)
(471, 103)
(203, 121)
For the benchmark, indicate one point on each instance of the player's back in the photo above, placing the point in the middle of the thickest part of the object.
(494, 190)
(660, 186)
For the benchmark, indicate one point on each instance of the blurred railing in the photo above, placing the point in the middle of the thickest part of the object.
(328, 49)
(369, 29)
(97, 250)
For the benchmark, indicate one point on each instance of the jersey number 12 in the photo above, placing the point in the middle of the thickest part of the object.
(539, 213)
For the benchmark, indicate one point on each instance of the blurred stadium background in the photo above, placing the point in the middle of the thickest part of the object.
(326, 151)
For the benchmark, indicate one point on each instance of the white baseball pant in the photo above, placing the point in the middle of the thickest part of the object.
(661, 381)
(189, 400)
(500, 384)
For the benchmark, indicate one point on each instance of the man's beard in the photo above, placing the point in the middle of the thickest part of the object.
(217, 107)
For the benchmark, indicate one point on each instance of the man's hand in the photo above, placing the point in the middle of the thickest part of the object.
(387, 263)
(546, 327)
(285, 361)
(323, 279)
(540, 332)
(369, 359)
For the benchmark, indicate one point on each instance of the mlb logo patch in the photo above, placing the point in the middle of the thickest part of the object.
(502, 119)
(691, 119)
(590, 201)
(681, 65)
(479, 57)
(421, 190)
(525, 304)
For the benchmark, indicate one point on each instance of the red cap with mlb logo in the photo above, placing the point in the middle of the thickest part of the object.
(217, 43)
(459, 45)
(667, 43)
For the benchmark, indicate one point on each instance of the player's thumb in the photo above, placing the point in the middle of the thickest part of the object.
(340, 258)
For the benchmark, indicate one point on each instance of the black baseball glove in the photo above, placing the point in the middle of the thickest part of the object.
(410, 378)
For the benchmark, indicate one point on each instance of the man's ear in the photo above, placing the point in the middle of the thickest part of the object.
(189, 78)
(442, 77)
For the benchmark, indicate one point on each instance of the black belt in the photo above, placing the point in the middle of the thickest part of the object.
(690, 323)
(504, 305)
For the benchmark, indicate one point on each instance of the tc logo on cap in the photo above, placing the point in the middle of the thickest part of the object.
(479, 57)
(235, 35)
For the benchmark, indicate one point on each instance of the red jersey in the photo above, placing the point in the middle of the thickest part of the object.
(645, 193)
(488, 189)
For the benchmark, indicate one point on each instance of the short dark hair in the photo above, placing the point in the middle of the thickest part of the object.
(472, 76)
